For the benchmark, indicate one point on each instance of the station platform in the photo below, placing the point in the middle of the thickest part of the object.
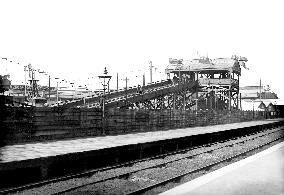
(37, 161)
(22, 152)
(261, 174)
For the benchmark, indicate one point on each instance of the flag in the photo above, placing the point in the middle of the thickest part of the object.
(244, 65)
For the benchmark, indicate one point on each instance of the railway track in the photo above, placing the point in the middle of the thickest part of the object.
(156, 163)
(202, 168)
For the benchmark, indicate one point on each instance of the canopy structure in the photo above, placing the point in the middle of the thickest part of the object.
(206, 65)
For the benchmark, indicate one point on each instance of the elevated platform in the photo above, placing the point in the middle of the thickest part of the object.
(259, 174)
(29, 162)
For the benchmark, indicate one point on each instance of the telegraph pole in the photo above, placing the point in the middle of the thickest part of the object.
(179, 79)
(56, 91)
(25, 81)
(33, 84)
(126, 79)
(260, 89)
(49, 87)
(117, 82)
(151, 73)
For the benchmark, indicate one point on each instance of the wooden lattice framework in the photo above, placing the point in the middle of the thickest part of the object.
(218, 80)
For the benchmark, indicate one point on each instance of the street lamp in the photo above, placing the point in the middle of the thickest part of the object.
(104, 77)
(74, 90)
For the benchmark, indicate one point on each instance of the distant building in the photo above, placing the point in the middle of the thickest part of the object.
(259, 98)
(4, 83)
(257, 92)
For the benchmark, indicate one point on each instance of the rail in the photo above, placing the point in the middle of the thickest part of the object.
(236, 140)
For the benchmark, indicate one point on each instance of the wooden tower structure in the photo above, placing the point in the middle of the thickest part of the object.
(218, 80)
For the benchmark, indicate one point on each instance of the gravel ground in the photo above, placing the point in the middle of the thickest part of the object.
(153, 175)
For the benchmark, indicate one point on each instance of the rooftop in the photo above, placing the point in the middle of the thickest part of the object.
(206, 65)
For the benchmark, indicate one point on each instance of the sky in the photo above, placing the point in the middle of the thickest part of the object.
(75, 40)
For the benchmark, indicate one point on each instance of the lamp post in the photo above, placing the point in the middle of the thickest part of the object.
(74, 90)
(104, 77)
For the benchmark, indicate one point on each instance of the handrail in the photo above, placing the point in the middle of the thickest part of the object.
(131, 91)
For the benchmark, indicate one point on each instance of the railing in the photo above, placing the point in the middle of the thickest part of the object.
(223, 81)
(120, 94)
(151, 92)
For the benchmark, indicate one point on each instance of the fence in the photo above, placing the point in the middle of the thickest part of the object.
(37, 124)
(128, 121)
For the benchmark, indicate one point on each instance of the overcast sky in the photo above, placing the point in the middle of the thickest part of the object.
(77, 39)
